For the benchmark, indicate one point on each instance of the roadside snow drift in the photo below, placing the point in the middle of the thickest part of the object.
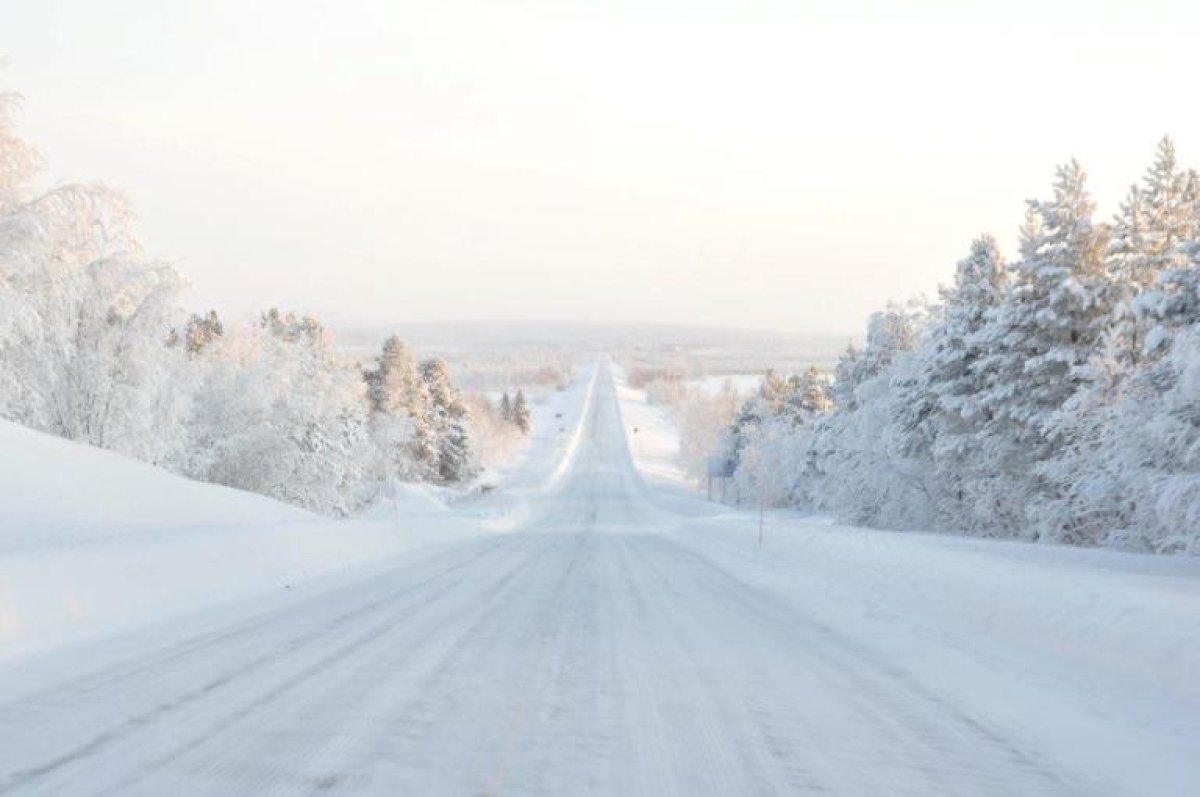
(93, 543)
(54, 493)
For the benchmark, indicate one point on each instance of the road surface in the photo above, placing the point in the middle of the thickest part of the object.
(590, 652)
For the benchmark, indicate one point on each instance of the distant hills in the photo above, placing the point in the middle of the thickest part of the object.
(700, 350)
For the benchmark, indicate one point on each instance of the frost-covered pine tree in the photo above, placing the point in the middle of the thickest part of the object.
(889, 332)
(1176, 306)
(1045, 333)
(948, 417)
(1042, 345)
(807, 397)
(766, 404)
(450, 421)
(520, 413)
(845, 379)
(400, 425)
(1157, 219)
(955, 346)
(506, 408)
(200, 332)
(1173, 307)
(860, 453)
(1023, 406)
(1132, 473)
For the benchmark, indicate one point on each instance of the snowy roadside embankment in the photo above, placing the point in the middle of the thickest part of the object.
(557, 424)
(653, 440)
(56, 493)
(93, 543)
(1090, 654)
(539, 465)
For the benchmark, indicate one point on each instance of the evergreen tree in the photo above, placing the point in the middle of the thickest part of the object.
(520, 413)
(1156, 219)
(1043, 337)
(945, 422)
(808, 397)
(844, 379)
(449, 420)
(889, 333)
(773, 393)
(395, 384)
(506, 408)
(400, 412)
(201, 331)
(1176, 306)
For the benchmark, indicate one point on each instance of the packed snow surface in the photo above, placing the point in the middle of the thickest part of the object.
(621, 637)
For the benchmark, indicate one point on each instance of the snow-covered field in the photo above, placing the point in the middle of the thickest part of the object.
(742, 384)
(624, 637)
(652, 438)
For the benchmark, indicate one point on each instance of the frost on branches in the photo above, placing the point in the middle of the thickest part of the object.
(93, 348)
(1055, 397)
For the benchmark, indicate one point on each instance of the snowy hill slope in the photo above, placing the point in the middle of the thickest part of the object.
(55, 492)
(93, 543)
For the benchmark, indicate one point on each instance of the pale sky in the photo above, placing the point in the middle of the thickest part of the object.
(781, 165)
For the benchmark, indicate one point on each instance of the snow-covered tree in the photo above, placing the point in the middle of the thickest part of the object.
(755, 411)
(1057, 398)
(84, 349)
(889, 333)
(1043, 337)
(1173, 307)
(19, 161)
(400, 414)
(945, 419)
(449, 420)
(199, 332)
(1043, 344)
(704, 420)
(282, 414)
(520, 413)
(768, 442)
(861, 455)
(808, 398)
(1158, 218)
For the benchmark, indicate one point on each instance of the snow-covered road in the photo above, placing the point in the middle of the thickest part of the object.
(592, 651)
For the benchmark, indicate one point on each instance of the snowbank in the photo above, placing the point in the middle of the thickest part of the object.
(92, 543)
(54, 492)
(653, 439)
(557, 423)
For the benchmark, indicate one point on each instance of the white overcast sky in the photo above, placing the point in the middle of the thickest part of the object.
(781, 165)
